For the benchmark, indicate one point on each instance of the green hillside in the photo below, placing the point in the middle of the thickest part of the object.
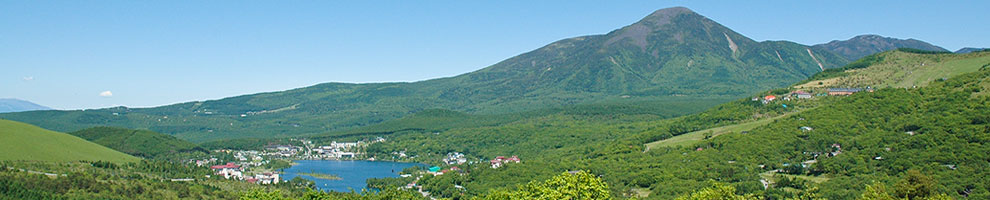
(22, 141)
(435, 120)
(672, 54)
(939, 130)
(441, 120)
(141, 143)
(693, 137)
(900, 69)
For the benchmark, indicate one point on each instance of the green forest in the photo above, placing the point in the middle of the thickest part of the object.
(871, 139)
(141, 143)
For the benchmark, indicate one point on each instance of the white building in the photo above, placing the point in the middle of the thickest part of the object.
(267, 178)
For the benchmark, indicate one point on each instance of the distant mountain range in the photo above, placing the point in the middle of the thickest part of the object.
(17, 105)
(864, 45)
(970, 49)
(672, 55)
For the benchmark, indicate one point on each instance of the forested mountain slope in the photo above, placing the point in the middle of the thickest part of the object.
(939, 130)
(141, 143)
(671, 54)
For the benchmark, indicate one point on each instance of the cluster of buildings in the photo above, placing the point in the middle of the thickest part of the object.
(282, 150)
(228, 171)
(502, 160)
(264, 178)
(249, 158)
(235, 171)
(340, 150)
(807, 95)
(787, 97)
(245, 156)
(455, 158)
(336, 150)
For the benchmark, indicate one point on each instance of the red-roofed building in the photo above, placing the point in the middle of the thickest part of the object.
(229, 165)
(228, 170)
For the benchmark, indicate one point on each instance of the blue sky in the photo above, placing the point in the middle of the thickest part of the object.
(68, 54)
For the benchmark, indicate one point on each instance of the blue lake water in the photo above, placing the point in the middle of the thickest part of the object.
(352, 173)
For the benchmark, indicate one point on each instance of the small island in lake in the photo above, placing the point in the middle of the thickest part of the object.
(321, 176)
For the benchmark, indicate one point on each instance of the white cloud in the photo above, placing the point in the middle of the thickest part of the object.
(106, 94)
(28, 78)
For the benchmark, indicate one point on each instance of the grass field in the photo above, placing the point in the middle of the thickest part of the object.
(694, 137)
(20, 141)
(905, 70)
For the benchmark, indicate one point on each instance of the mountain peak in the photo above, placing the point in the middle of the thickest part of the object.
(664, 16)
(869, 37)
(867, 44)
(640, 30)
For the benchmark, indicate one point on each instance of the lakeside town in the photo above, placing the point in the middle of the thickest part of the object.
(260, 166)
(257, 166)
(265, 166)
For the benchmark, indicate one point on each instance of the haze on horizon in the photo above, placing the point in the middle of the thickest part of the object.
(76, 55)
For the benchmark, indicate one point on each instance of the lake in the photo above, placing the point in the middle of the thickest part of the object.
(352, 173)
